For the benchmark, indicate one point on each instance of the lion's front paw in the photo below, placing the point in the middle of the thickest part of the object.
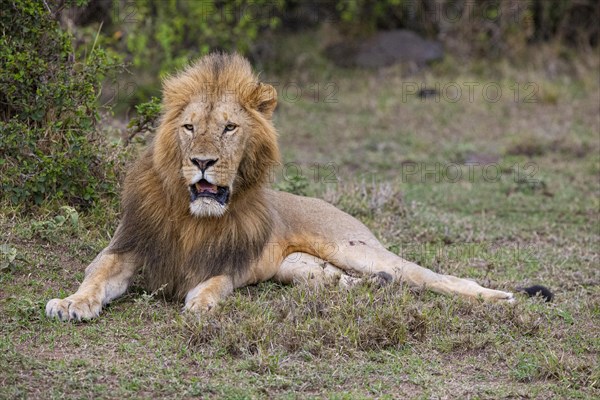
(199, 305)
(73, 308)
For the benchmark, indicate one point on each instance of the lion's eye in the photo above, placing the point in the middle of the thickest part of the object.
(189, 127)
(230, 127)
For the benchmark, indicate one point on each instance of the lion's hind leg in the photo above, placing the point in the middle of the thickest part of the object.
(373, 259)
(303, 268)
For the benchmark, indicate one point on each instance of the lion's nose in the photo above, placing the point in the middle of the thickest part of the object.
(203, 164)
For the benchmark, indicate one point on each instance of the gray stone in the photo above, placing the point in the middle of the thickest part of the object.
(386, 48)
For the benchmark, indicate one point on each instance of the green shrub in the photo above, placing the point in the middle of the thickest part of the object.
(170, 32)
(146, 119)
(50, 147)
(162, 36)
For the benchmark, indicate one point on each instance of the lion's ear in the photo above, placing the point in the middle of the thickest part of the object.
(265, 99)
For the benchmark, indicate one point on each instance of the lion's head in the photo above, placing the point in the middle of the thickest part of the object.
(216, 132)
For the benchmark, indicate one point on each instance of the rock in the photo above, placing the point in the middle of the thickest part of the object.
(386, 48)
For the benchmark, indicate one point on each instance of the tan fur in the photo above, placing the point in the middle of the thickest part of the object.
(200, 249)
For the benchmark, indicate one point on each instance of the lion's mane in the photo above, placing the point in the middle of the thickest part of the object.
(178, 250)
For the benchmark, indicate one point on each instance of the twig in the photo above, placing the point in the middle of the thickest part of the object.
(96, 39)
(46, 4)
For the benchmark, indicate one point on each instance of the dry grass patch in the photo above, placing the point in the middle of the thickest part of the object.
(308, 322)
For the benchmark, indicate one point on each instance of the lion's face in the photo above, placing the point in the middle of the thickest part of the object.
(212, 138)
(216, 142)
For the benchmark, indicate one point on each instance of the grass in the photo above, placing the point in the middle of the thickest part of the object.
(532, 219)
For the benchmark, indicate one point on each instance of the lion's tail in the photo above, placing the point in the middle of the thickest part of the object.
(537, 290)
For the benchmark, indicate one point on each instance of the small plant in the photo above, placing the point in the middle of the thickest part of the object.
(67, 221)
(8, 255)
(527, 368)
(147, 298)
(145, 119)
(296, 184)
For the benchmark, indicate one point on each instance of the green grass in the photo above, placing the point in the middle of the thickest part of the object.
(536, 221)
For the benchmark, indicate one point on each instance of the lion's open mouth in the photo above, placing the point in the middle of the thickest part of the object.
(203, 188)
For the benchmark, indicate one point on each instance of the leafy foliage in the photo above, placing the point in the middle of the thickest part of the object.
(146, 118)
(170, 32)
(296, 184)
(50, 147)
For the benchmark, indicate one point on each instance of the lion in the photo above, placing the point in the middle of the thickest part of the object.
(199, 220)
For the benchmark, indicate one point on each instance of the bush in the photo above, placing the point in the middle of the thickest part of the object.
(50, 147)
(158, 37)
(171, 32)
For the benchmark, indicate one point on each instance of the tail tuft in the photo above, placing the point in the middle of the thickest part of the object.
(538, 290)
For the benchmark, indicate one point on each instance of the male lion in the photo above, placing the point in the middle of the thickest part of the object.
(200, 221)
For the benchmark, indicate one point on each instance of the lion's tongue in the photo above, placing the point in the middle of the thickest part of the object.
(204, 187)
